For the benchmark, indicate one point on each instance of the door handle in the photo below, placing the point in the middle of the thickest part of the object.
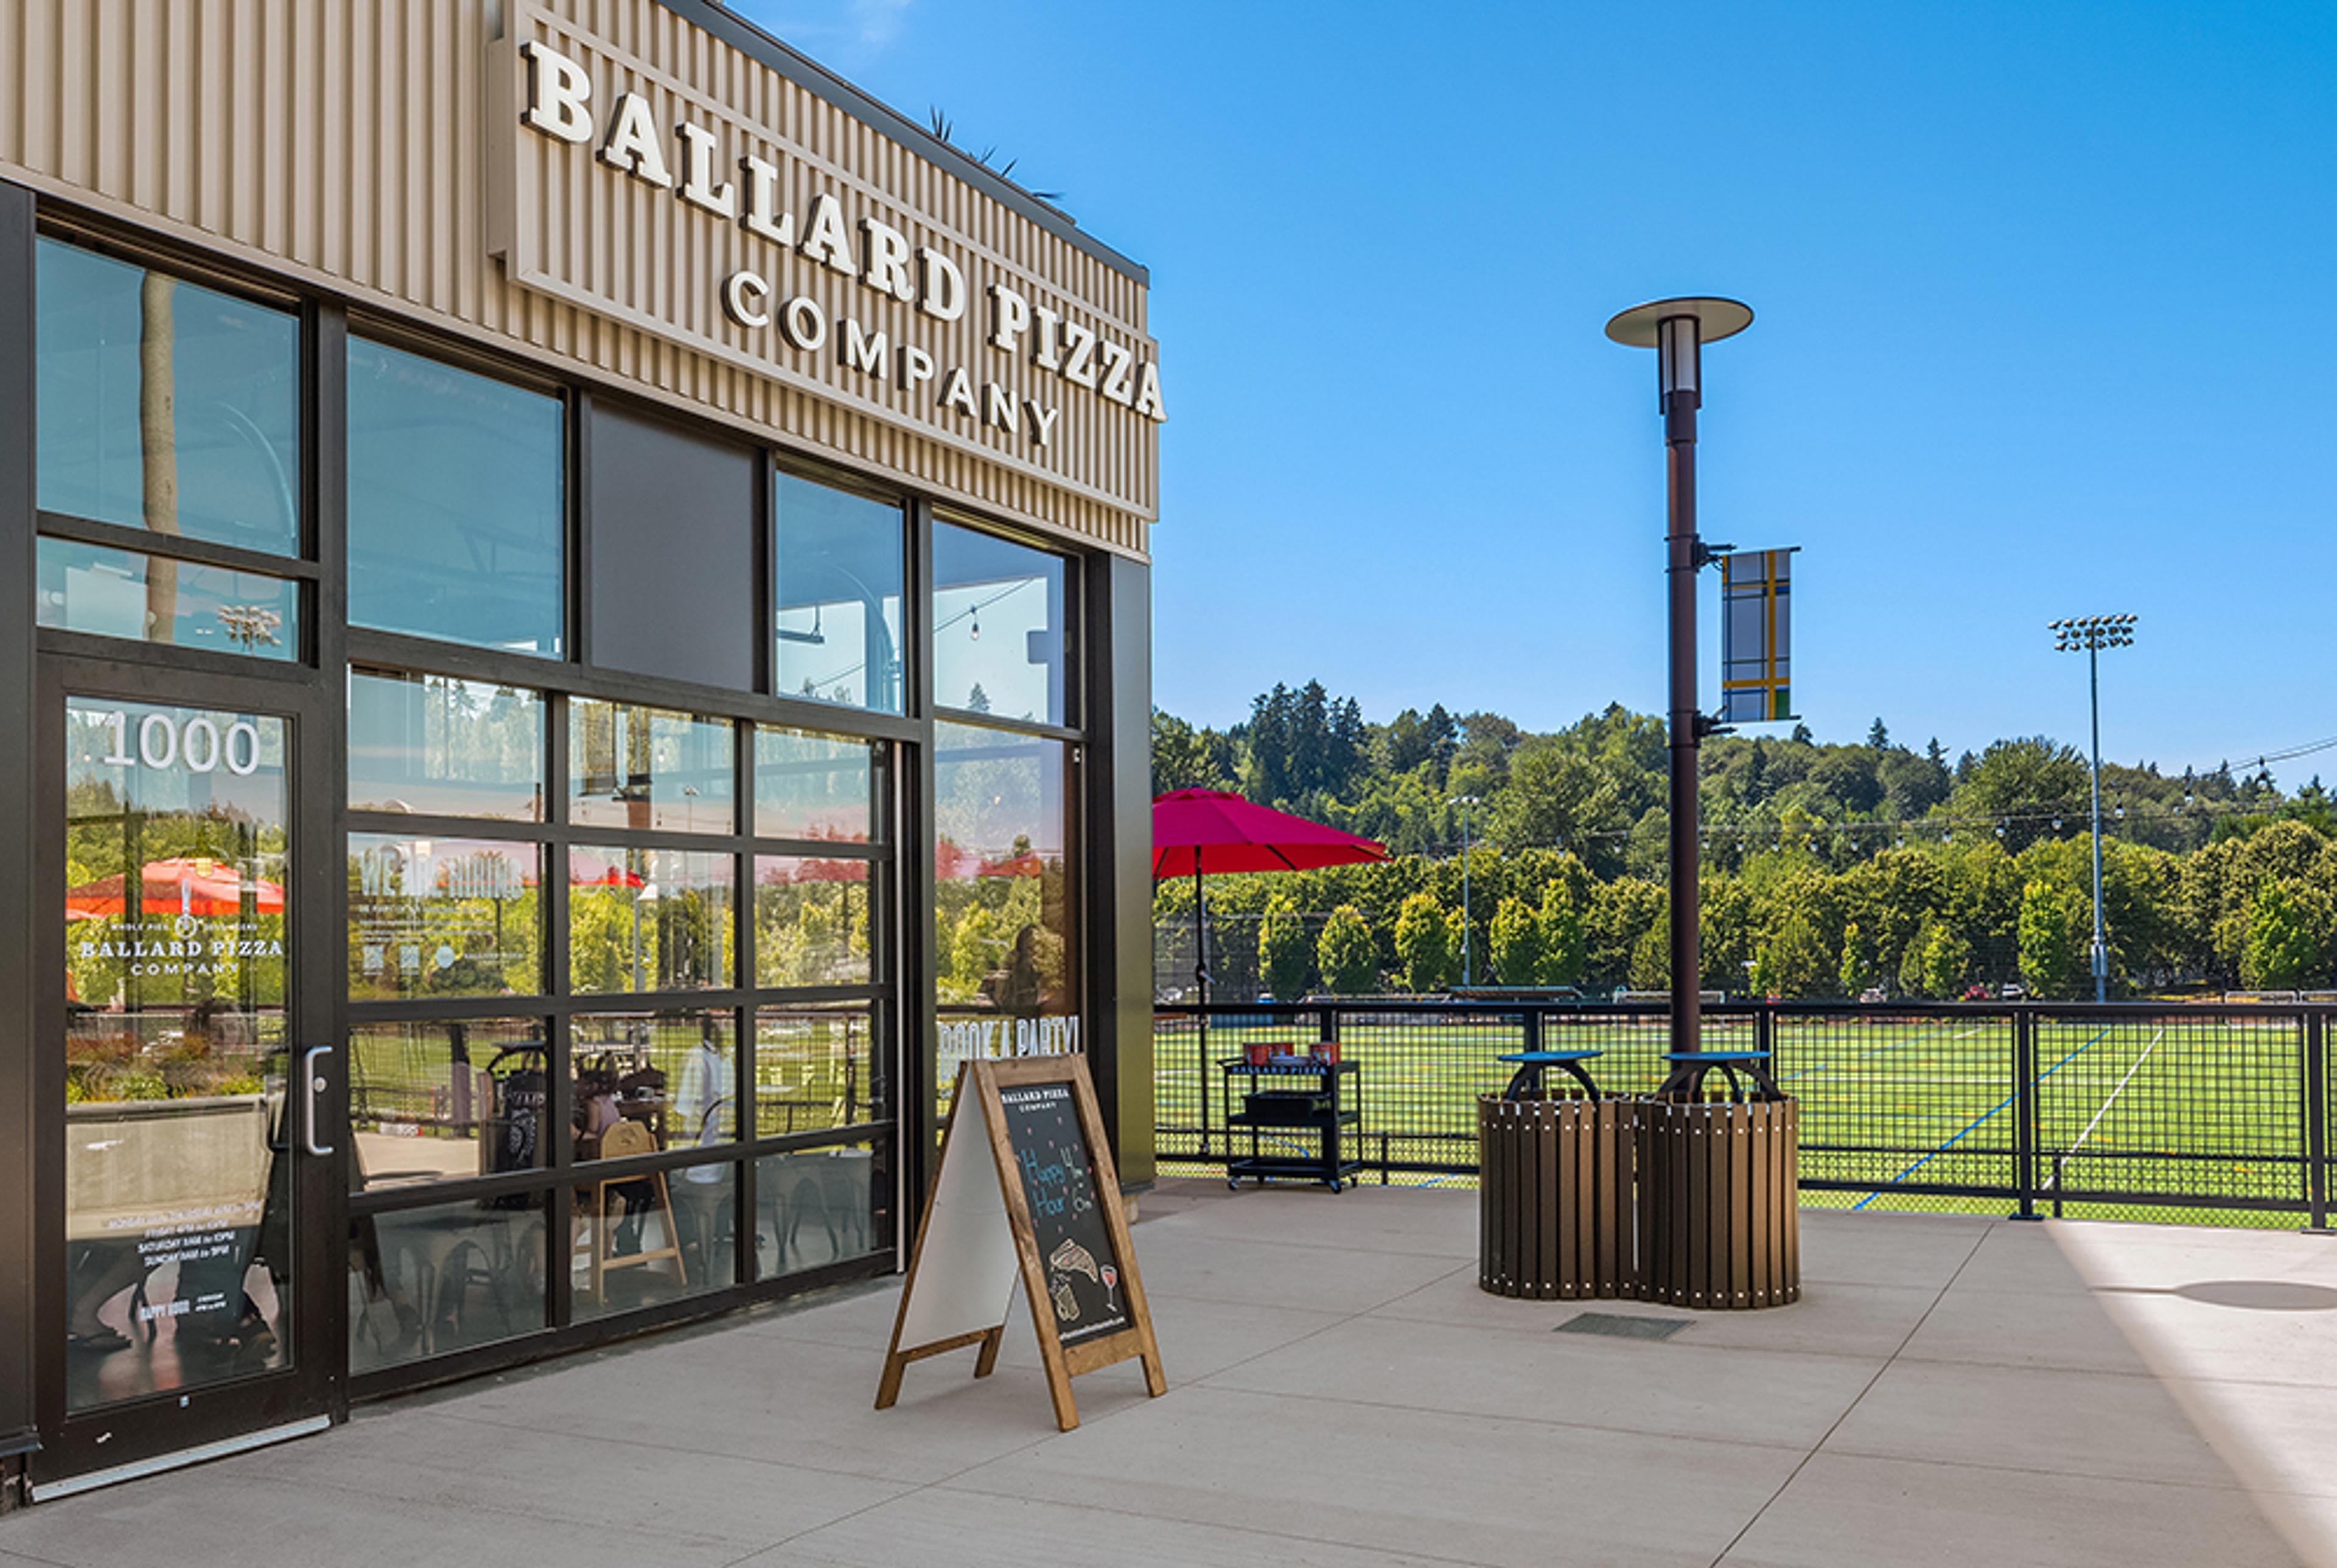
(314, 1084)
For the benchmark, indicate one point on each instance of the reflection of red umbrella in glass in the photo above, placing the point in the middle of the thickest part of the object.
(1027, 865)
(794, 870)
(953, 865)
(185, 885)
(1194, 832)
(586, 872)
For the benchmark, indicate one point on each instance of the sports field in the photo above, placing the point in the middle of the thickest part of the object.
(2167, 1117)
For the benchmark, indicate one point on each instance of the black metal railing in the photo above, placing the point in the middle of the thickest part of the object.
(2215, 1112)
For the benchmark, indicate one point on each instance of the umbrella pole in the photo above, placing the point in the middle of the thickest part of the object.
(1200, 942)
(1201, 988)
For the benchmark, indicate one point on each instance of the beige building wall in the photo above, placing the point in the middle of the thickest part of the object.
(375, 149)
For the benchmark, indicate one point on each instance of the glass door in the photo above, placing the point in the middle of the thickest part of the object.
(191, 1072)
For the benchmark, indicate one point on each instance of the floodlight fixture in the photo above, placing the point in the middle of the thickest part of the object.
(2088, 633)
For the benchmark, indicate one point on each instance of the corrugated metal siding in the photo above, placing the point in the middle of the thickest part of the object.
(345, 144)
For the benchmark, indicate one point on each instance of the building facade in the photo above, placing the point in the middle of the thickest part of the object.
(577, 635)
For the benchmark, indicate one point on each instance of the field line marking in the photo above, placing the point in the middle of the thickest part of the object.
(1873, 1050)
(1975, 1126)
(2105, 1111)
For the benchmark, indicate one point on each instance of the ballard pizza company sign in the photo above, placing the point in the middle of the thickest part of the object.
(634, 195)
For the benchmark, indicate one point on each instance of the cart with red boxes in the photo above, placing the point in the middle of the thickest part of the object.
(1297, 1110)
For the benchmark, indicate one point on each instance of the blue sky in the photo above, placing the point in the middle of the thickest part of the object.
(2045, 328)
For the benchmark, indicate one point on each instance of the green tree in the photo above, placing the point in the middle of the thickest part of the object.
(1186, 758)
(2026, 786)
(1516, 951)
(2289, 929)
(1283, 953)
(2055, 930)
(1564, 935)
(1557, 796)
(1857, 970)
(1947, 960)
(1651, 961)
(1724, 933)
(1914, 980)
(1794, 964)
(1347, 955)
(1424, 949)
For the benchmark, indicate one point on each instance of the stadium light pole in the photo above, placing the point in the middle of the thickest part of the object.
(1466, 802)
(2092, 634)
(1677, 330)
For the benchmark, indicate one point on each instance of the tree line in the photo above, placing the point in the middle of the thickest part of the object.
(1828, 870)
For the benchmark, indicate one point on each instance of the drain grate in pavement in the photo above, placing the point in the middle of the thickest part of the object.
(1617, 1326)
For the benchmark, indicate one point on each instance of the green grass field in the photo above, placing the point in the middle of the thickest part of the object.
(2162, 1118)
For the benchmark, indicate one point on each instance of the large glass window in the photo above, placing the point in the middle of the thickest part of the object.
(811, 921)
(454, 506)
(438, 747)
(444, 918)
(999, 628)
(837, 569)
(822, 1206)
(1002, 921)
(439, 1100)
(447, 1277)
(644, 767)
(165, 405)
(644, 1084)
(814, 786)
(816, 1067)
(153, 598)
(649, 920)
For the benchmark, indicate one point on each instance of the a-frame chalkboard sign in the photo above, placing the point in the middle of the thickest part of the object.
(1045, 1204)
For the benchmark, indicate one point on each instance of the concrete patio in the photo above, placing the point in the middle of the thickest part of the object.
(1950, 1390)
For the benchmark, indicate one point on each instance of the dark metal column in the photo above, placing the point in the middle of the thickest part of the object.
(1687, 718)
(1115, 871)
(917, 1115)
(21, 1114)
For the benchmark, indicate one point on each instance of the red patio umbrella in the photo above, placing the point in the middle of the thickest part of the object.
(1196, 832)
(182, 885)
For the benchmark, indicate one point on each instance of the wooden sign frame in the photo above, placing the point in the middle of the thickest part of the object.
(978, 1235)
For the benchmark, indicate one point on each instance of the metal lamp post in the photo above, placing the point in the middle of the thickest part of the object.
(1464, 803)
(1678, 329)
(2091, 634)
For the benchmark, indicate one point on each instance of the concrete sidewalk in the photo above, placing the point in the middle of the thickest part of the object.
(1950, 1390)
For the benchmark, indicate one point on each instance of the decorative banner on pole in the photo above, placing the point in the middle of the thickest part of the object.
(1755, 673)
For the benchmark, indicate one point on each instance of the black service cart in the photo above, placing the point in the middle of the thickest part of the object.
(1299, 1098)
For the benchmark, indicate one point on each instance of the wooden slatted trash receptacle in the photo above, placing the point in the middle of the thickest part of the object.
(1554, 1186)
(1719, 1221)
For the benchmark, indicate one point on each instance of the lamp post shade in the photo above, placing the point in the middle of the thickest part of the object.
(1201, 833)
